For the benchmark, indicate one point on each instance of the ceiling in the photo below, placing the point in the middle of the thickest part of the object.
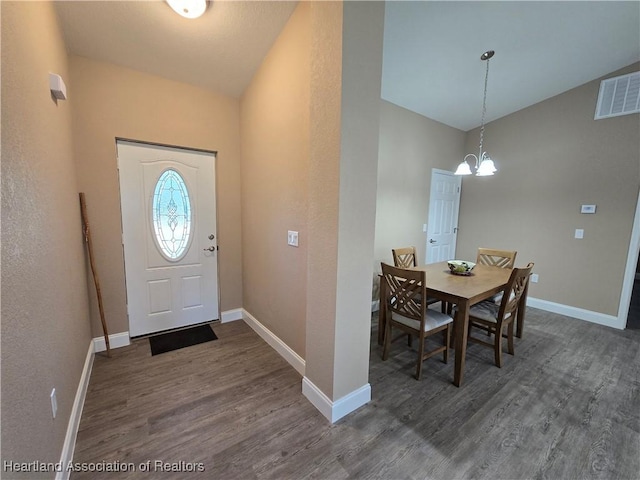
(432, 53)
(431, 62)
(220, 51)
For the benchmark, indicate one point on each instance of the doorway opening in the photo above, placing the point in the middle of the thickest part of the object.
(633, 318)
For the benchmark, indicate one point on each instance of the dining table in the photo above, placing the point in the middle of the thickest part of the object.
(463, 291)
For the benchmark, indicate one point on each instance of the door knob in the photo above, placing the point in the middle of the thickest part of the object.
(210, 249)
(431, 240)
(212, 236)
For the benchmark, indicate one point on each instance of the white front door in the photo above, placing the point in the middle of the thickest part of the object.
(168, 204)
(444, 205)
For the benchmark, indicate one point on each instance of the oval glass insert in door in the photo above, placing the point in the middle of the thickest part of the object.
(171, 215)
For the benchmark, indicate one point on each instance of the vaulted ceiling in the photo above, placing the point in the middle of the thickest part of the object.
(431, 48)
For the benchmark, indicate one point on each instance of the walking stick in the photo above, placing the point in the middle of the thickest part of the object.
(96, 281)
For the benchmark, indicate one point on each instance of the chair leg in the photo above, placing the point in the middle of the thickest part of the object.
(409, 340)
(498, 346)
(420, 355)
(510, 338)
(387, 340)
(447, 340)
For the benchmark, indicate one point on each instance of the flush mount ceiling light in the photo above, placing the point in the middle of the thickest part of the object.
(483, 164)
(188, 8)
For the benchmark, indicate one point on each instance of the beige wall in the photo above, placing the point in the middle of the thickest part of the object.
(110, 102)
(362, 38)
(45, 325)
(552, 158)
(324, 184)
(410, 147)
(275, 164)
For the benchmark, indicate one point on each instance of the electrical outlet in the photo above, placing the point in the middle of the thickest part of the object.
(54, 403)
(579, 233)
(534, 278)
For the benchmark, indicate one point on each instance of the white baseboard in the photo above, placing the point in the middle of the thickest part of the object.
(295, 360)
(334, 411)
(375, 305)
(76, 413)
(231, 315)
(575, 312)
(116, 340)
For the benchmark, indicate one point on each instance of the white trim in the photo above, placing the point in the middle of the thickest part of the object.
(116, 340)
(295, 360)
(375, 305)
(231, 315)
(76, 413)
(575, 312)
(630, 270)
(334, 411)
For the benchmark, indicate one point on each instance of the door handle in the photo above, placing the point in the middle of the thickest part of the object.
(431, 240)
(210, 249)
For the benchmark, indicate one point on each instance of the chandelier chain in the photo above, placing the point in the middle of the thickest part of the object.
(484, 107)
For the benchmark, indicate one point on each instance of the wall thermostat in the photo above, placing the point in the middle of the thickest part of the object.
(588, 209)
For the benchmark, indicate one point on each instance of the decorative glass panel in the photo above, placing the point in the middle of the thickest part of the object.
(171, 215)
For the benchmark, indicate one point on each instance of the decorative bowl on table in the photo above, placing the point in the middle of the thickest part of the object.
(460, 267)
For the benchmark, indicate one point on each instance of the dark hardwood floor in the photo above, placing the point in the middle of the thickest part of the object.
(567, 406)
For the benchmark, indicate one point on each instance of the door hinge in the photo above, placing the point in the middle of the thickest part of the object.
(455, 229)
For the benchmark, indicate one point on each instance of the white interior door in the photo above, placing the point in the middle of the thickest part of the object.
(444, 205)
(168, 204)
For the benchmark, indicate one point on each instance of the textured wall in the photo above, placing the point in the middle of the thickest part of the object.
(363, 32)
(552, 158)
(45, 318)
(275, 162)
(112, 101)
(410, 146)
(324, 184)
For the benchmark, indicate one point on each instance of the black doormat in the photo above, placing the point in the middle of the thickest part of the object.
(180, 339)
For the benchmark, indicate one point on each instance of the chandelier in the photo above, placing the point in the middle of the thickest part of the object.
(483, 164)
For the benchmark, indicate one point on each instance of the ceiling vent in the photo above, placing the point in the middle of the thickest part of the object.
(619, 96)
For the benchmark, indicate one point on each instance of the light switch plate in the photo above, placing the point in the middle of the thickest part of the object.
(292, 238)
(579, 233)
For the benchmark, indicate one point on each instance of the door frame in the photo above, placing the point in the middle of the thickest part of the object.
(630, 271)
(215, 171)
(450, 174)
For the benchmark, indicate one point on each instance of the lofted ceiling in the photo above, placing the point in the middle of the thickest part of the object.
(220, 51)
(432, 53)
(431, 62)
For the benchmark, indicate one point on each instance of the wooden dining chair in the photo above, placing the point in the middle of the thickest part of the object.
(496, 258)
(406, 309)
(406, 258)
(493, 318)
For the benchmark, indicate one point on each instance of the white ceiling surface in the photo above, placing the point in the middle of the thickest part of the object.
(432, 65)
(431, 49)
(220, 51)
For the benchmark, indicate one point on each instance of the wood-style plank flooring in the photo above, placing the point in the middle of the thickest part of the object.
(567, 406)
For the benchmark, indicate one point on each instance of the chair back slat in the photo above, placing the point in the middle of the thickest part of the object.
(496, 258)
(404, 257)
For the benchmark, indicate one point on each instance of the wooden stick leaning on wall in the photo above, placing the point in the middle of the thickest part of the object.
(96, 281)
